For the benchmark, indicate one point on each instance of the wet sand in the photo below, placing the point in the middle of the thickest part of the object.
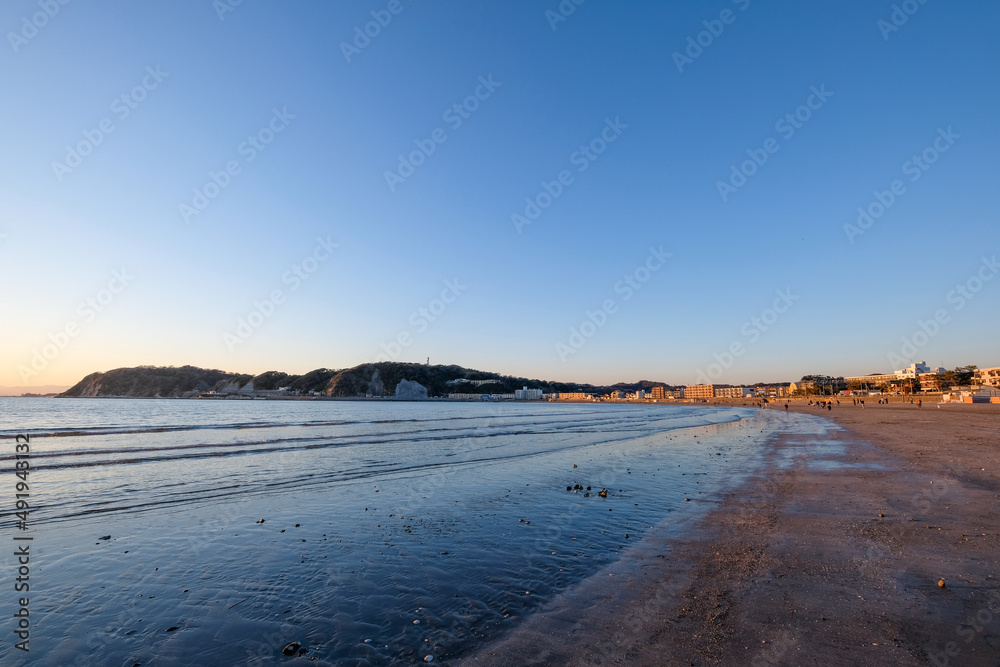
(799, 568)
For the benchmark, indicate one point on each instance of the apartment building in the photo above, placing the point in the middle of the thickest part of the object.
(929, 381)
(571, 396)
(699, 391)
(989, 377)
(874, 379)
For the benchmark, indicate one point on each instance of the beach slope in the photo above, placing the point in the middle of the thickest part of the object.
(875, 543)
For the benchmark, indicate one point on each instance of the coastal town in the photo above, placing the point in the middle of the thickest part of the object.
(967, 384)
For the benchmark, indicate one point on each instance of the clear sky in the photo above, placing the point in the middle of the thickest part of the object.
(358, 194)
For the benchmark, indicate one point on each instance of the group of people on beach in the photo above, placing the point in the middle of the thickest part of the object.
(829, 404)
(885, 401)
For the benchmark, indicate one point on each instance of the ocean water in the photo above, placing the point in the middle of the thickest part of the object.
(391, 531)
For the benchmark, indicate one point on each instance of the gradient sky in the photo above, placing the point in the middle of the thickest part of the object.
(63, 234)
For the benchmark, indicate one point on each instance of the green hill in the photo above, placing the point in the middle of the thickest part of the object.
(379, 379)
(152, 381)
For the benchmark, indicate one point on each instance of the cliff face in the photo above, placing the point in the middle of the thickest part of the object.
(189, 381)
(149, 382)
(361, 380)
(411, 391)
(87, 387)
(367, 379)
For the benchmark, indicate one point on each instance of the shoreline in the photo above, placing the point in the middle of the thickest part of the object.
(798, 567)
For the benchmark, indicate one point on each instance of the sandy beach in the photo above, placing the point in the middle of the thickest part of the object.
(882, 551)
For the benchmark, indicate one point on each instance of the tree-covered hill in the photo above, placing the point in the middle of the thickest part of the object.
(378, 379)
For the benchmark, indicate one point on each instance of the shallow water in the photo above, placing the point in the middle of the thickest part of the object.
(425, 529)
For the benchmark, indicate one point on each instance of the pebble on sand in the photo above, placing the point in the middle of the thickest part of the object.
(941, 583)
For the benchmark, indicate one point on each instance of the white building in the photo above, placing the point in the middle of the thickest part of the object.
(915, 369)
(526, 394)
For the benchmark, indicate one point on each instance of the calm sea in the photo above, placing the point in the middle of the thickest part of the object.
(391, 531)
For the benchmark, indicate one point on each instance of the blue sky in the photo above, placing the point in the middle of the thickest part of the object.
(337, 124)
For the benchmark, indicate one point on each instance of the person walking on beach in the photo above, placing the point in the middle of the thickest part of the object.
(920, 402)
(786, 406)
(862, 402)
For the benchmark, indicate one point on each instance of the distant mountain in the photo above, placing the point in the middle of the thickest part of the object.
(35, 390)
(153, 381)
(379, 379)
